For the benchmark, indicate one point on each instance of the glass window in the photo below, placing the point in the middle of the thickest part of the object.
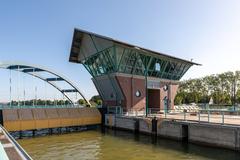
(157, 66)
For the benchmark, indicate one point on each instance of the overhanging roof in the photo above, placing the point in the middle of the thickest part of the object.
(77, 42)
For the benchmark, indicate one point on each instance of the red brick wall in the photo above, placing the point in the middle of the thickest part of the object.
(171, 93)
(126, 88)
(162, 95)
(138, 103)
(129, 87)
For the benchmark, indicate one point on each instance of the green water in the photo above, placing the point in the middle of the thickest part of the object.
(118, 145)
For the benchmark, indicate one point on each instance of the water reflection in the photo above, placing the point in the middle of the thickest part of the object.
(108, 145)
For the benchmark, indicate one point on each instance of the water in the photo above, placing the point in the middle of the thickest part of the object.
(117, 145)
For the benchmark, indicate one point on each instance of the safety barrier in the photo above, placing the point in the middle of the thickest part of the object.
(43, 118)
(9, 147)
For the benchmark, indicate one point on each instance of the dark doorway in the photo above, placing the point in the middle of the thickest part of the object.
(154, 99)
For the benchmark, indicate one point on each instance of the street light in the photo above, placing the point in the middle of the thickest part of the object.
(146, 91)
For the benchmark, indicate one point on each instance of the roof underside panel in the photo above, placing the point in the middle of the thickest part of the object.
(85, 45)
(102, 55)
(92, 43)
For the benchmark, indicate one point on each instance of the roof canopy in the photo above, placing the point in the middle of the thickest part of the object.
(98, 42)
(102, 55)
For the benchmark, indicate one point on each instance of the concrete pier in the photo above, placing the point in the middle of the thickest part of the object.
(216, 135)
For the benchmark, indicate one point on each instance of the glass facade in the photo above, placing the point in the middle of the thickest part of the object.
(134, 61)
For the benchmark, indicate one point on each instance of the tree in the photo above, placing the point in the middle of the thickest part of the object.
(82, 102)
(224, 88)
(96, 100)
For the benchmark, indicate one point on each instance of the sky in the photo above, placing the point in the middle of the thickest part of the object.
(40, 32)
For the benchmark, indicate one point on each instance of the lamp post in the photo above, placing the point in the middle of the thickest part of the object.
(146, 92)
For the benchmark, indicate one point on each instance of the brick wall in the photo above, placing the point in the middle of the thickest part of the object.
(129, 85)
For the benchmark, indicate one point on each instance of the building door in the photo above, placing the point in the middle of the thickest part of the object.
(154, 100)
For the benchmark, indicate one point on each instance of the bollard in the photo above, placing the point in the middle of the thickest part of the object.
(136, 126)
(154, 126)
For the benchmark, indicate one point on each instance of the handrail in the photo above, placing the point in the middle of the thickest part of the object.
(3, 154)
(23, 152)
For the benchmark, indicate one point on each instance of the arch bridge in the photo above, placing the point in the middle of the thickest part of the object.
(22, 119)
(36, 71)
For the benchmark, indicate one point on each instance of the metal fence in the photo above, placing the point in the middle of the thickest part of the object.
(205, 116)
(40, 106)
(222, 116)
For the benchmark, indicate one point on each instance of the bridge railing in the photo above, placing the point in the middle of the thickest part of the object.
(204, 116)
(201, 116)
(40, 106)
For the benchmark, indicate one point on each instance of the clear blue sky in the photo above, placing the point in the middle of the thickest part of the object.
(40, 32)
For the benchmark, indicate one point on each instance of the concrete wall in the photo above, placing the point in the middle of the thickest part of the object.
(145, 125)
(170, 129)
(214, 135)
(126, 123)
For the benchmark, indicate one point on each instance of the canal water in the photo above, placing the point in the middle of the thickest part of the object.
(118, 145)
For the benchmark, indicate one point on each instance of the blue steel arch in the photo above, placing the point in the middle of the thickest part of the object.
(32, 70)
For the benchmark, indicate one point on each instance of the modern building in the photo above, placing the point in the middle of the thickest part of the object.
(126, 75)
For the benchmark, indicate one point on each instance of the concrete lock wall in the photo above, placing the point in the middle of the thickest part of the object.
(127, 123)
(40, 118)
(170, 129)
(215, 135)
(145, 125)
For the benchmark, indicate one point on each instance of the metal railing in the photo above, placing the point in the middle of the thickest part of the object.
(206, 116)
(23, 153)
(201, 116)
(40, 106)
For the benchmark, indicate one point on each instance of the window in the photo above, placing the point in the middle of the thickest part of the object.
(165, 87)
(138, 93)
(157, 67)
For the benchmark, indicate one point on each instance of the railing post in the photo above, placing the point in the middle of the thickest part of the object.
(184, 115)
(222, 117)
(208, 116)
(199, 116)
